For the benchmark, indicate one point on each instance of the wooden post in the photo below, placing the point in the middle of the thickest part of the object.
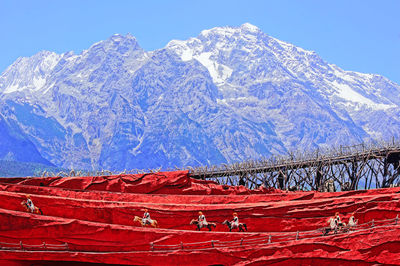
(297, 235)
(151, 246)
(269, 239)
(318, 178)
(281, 181)
(44, 245)
(372, 223)
(20, 245)
(241, 241)
(212, 243)
(181, 245)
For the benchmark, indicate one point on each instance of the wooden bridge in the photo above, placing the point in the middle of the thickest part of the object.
(346, 168)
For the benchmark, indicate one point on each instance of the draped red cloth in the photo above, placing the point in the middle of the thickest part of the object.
(91, 220)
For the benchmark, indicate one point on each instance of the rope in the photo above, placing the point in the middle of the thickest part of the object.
(32, 246)
(3, 243)
(22, 246)
(162, 245)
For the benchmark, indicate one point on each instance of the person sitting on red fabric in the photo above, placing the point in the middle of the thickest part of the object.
(146, 217)
(235, 221)
(202, 220)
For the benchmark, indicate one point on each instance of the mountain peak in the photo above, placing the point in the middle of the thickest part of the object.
(119, 37)
(249, 27)
(229, 31)
(117, 42)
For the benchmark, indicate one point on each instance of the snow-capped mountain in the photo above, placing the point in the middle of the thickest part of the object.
(230, 94)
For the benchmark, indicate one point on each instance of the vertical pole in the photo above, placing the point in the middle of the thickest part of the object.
(297, 235)
(44, 245)
(151, 246)
(372, 223)
(269, 239)
(181, 245)
(397, 218)
(20, 245)
(280, 180)
(318, 178)
(241, 241)
(212, 243)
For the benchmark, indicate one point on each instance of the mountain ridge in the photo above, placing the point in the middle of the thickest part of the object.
(227, 95)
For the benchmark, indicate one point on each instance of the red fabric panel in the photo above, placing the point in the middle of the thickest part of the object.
(95, 214)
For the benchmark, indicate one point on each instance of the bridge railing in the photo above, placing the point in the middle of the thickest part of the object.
(317, 167)
(371, 166)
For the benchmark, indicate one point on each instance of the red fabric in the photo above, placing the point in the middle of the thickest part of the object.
(96, 214)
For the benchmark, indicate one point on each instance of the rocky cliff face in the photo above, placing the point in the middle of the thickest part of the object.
(228, 95)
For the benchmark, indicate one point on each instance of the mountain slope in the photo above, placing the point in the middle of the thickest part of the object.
(230, 94)
(15, 144)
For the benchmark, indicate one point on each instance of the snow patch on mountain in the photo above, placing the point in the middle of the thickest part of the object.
(28, 73)
(219, 72)
(345, 92)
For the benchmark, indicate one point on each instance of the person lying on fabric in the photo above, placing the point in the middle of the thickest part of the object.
(146, 217)
(352, 220)
(202, 220)
(235, 221)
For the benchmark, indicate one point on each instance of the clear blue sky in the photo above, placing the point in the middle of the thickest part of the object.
(359, 35)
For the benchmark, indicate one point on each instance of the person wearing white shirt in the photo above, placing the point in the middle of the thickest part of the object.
(352, 220)
(202, 220)
(146, 217)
